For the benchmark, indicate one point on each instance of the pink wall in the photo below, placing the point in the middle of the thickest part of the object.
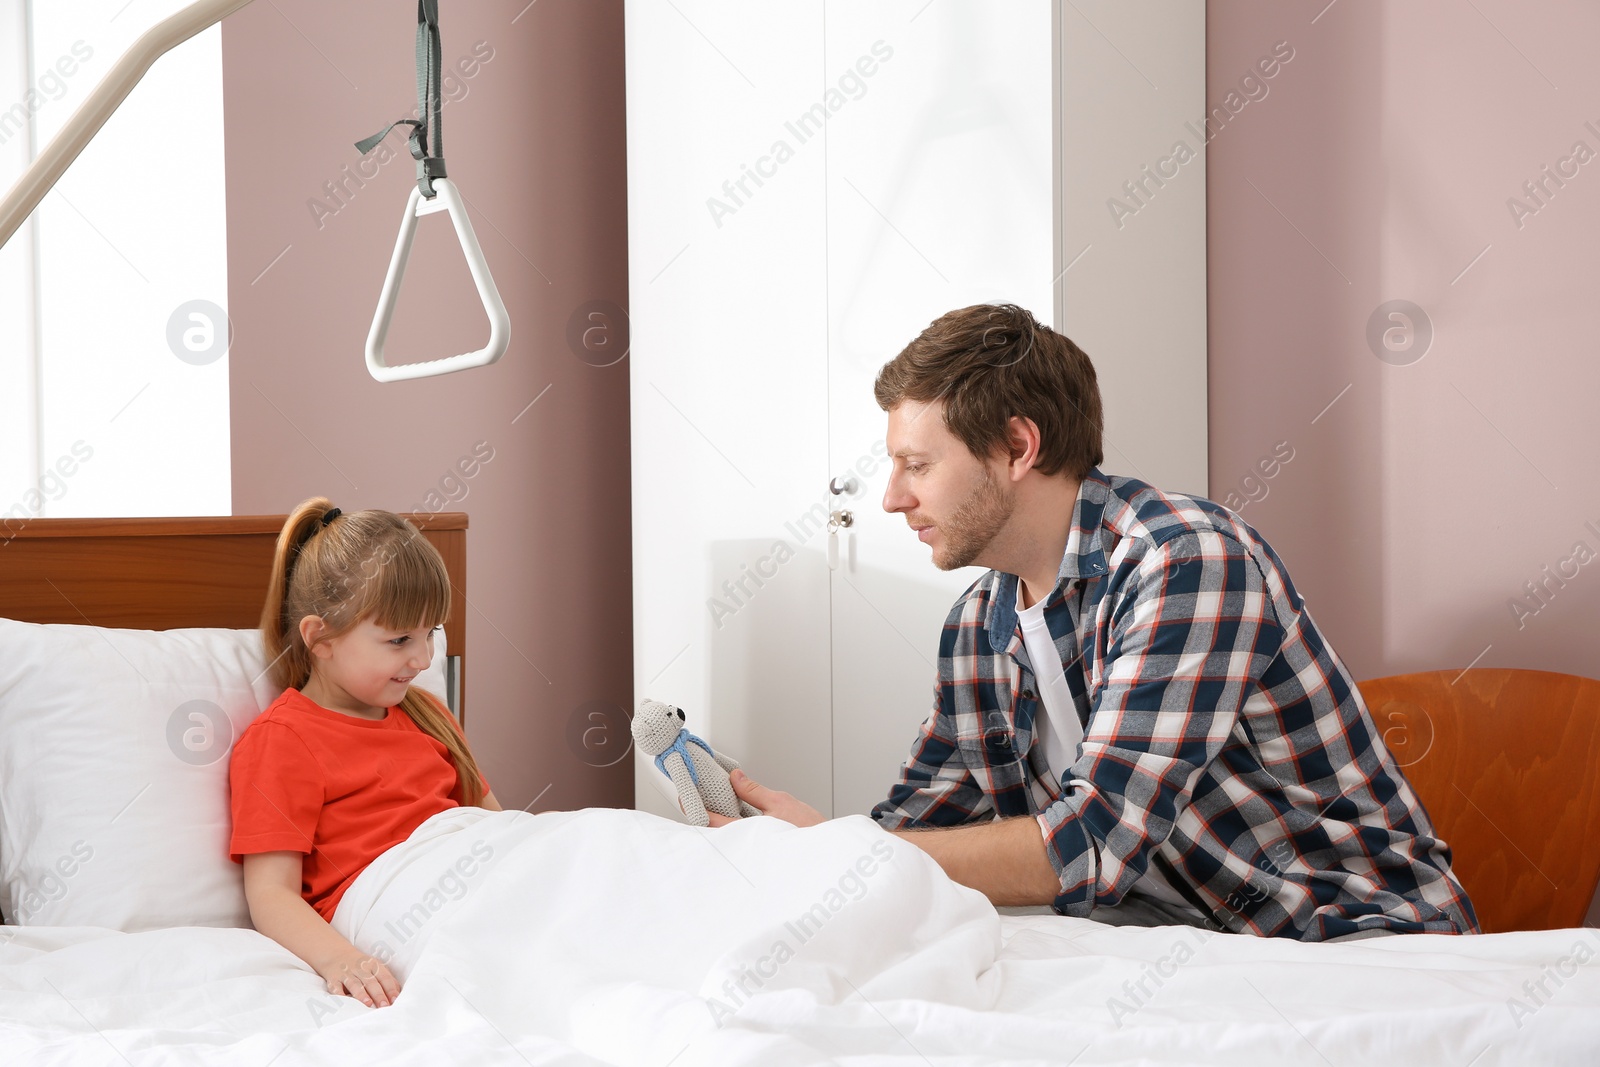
(1377, 168)
(535, 138)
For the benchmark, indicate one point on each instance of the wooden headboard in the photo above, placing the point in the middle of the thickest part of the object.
(160, 574)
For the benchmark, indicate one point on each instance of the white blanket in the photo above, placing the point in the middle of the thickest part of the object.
(609, 936)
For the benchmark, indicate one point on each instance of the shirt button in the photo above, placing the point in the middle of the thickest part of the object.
(1027, 694)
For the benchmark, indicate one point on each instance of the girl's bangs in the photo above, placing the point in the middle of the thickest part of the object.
(411, 590)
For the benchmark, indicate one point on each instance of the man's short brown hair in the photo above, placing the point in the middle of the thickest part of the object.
(989, 362)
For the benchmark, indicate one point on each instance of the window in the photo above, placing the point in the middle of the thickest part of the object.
(113, 329)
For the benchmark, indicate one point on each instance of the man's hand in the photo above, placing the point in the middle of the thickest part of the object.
(769, 802)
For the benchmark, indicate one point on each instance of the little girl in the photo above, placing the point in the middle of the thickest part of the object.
(351, 758)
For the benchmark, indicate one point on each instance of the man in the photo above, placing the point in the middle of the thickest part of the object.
(1137, 719)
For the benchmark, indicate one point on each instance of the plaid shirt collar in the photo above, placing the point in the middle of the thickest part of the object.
(1084, 559)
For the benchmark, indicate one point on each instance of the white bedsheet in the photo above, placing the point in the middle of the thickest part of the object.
(614, 937)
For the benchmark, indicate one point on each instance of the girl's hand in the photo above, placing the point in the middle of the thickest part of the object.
(353, 973)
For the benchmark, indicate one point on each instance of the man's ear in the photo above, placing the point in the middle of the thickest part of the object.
(1022, 444)
(312, 629)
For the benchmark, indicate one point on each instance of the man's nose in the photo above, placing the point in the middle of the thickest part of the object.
(895, 498)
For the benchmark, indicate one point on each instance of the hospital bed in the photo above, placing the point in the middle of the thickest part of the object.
(606, 935)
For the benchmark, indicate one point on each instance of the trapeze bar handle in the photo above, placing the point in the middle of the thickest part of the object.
(447, 199)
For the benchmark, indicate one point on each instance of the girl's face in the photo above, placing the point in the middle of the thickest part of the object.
(367, 668)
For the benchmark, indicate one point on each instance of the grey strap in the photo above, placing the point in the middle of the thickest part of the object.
(428, 128)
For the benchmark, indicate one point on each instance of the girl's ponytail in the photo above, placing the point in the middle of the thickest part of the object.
(288, 659)
(433, 719)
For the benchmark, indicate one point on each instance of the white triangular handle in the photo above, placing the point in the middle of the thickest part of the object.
(446, 199)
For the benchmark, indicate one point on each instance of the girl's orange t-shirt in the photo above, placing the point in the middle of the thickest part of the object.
(337, 788)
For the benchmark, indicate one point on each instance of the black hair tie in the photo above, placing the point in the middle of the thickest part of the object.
(329, 515)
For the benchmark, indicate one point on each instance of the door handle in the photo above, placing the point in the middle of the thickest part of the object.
(836, 520)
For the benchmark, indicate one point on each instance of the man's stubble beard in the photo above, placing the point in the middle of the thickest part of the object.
(976, 522)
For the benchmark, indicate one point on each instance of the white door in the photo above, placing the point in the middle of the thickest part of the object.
(809, 186)
(729, 382)
(939, 196)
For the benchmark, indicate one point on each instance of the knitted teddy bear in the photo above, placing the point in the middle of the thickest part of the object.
(700, 774)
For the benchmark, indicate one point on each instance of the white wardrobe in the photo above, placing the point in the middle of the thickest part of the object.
(810, 183)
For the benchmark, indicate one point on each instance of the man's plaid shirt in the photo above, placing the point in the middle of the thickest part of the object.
(1224, 740)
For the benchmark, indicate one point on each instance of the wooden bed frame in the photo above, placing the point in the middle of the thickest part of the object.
(161, 573)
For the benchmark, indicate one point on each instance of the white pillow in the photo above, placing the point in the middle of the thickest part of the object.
(114, 772)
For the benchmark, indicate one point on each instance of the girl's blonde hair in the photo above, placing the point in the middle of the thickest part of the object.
(368, 565)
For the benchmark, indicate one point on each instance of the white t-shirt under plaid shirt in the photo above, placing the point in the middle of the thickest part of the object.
(1060, 734)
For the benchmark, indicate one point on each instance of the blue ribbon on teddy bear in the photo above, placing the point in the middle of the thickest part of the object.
(680, 745)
